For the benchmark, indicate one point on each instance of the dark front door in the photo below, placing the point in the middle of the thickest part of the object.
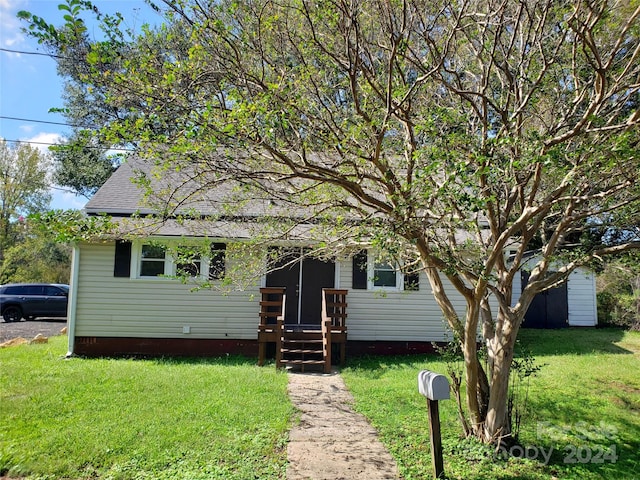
(316, 275)
(549, 309)
(304, 280)
(286, 273)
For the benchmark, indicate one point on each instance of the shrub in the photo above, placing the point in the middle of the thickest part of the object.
(618, 293)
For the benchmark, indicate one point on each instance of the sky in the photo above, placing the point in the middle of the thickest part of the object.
(29, 85)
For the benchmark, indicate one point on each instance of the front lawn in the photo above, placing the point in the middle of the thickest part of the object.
(140, 419)
(228, 419)
(583, 421)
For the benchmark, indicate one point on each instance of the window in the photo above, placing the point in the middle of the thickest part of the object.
(152, 261)
(217, 261)
(384, 275)
(372, 274)
(188, 262)
(15, 291)
(52, 291)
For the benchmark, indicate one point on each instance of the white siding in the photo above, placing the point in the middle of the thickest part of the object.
(394, 316)
(581, 296)
(155, 308)
(159, 308)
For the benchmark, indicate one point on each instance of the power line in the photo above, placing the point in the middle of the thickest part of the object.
(39, 121)
(31, 142)
(22, 52)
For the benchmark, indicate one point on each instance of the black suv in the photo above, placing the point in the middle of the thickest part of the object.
(31, 300)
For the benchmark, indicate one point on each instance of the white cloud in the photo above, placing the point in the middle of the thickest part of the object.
(10, 26)
(62, 200)
(8, 4)
(43, 140)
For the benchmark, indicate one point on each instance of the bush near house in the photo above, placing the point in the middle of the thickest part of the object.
(618, 293)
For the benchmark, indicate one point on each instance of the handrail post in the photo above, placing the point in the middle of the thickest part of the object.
(279, 333)
(326, 344)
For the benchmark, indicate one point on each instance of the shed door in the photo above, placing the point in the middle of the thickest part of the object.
(304, 280)
(549, 309)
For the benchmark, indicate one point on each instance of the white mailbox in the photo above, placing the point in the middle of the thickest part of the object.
(433, 385)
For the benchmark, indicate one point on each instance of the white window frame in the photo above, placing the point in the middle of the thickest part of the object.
(136, 258)
(170, 264)
(372, 261)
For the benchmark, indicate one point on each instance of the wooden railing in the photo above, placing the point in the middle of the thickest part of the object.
(326, 343)
(302, 347)
(272, 304)
(334, 313)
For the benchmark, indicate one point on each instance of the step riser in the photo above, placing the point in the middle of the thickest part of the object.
(302, 349)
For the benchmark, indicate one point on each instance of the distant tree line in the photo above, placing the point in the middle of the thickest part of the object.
(26, 255)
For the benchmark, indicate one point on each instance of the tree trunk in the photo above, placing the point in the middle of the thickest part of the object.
(486, 398)
(501, 350)
(470, 352)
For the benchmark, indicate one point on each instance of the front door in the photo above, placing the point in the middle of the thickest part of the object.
(304, 280)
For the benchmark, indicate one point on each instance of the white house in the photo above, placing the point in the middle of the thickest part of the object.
(126, 300)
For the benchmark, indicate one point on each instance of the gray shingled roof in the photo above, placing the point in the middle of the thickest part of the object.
(119, 195)
(187, 203)
(182, 193)
(191, 203)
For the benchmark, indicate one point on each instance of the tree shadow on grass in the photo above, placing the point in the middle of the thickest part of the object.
(583, 444)
(375, 366)
(228, 360)
(606, 448)
(572, 341)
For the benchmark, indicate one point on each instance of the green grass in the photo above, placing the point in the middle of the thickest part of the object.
(226, 418)
(584, 404)
(140, 419)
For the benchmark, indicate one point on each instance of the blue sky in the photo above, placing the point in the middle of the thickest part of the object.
(29, 85)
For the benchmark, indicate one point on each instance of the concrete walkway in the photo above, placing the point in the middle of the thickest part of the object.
(332, 442)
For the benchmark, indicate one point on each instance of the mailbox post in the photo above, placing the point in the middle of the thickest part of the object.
(434, 387)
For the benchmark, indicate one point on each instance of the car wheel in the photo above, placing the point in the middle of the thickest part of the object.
(12, 314)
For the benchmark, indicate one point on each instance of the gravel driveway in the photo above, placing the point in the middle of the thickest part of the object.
(28, 330)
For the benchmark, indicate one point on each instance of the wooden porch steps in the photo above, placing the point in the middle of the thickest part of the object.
(301, 349)
(302, 345)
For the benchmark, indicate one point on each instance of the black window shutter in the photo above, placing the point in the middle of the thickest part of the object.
(412, 281)
(217, 261)
(360, 270)
(122, 262)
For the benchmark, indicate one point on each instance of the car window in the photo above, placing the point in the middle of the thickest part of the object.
(52, 291)
(14, 290)
(34, 290)
(24, 290)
